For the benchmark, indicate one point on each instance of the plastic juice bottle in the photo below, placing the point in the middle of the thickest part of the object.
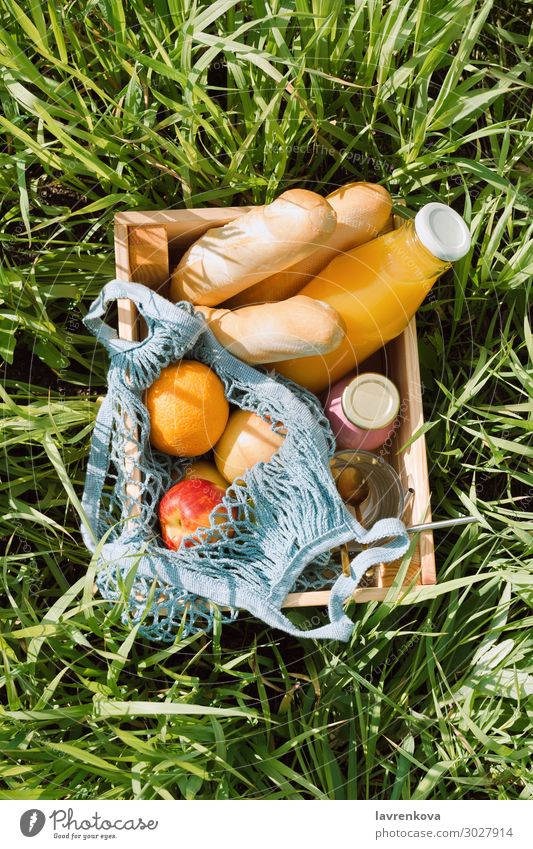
(377, 288)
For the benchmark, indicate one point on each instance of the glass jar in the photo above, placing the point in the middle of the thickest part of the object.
(385, 498)
(362, 411)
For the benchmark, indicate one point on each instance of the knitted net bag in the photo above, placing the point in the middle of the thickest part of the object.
(280, 517)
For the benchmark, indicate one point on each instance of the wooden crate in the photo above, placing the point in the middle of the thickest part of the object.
(149, 244)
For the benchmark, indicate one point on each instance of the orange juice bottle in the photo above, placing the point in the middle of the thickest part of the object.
(377, 288)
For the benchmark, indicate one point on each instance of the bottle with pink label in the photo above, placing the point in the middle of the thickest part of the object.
(362, 411)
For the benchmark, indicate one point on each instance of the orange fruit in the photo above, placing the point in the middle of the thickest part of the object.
(247, 440)
(188, 409)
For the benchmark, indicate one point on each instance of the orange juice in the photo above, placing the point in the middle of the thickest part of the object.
(377, 288)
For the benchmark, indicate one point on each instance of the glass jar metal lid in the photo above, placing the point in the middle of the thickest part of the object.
(370, 401)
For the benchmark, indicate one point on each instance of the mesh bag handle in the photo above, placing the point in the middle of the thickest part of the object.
(151, 306)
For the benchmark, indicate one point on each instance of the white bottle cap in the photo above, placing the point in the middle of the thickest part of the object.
(442, 231)
(370, 401)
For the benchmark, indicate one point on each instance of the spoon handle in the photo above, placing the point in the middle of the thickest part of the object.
(444, 523)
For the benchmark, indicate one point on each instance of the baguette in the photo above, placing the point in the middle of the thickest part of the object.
(228, 259)
(268, 333)
(363, 210)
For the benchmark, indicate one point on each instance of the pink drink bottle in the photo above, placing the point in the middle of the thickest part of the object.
(362, 411)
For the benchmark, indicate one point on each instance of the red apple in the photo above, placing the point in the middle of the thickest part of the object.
(186, 507)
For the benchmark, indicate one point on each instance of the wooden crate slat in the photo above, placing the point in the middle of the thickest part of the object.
(148, 257)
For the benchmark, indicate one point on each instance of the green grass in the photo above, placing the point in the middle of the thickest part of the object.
(111, 106)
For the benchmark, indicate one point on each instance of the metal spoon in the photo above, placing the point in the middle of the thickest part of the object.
(360, 493)
(354, 491)
(443, 523)
(415, 529)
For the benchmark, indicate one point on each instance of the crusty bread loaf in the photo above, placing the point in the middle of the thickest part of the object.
(268, 333)
(363, 210)
(228, 259)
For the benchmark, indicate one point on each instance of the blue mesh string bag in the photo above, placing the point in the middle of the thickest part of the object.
(281, 516)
